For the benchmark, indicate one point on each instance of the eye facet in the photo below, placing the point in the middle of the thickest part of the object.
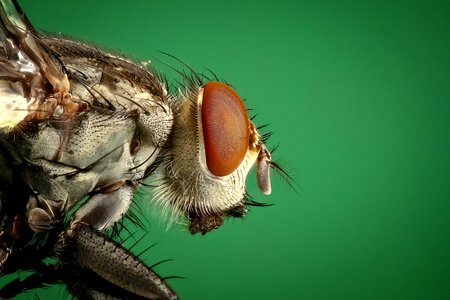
(225, 128)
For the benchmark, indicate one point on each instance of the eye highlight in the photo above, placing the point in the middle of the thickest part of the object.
(225, 128)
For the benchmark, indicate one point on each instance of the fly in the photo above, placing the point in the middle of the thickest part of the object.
(80, 123)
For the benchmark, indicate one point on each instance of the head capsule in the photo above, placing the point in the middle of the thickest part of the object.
(212, 148)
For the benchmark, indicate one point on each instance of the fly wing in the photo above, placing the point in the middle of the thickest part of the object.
(33, 80)
(22, 40)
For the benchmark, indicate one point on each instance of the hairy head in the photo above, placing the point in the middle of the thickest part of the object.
(211, 150)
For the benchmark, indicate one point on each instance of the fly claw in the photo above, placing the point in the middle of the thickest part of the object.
(82, 129)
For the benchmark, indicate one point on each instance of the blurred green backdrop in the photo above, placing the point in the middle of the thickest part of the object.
(358, 95)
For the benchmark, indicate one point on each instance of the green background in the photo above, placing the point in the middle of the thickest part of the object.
(358, 95)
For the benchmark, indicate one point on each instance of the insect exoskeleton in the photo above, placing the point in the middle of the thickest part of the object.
(102, 148)
(212, 148)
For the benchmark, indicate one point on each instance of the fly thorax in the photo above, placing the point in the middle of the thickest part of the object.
(155, 119)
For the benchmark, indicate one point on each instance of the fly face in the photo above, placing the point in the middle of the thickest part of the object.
(212, 148)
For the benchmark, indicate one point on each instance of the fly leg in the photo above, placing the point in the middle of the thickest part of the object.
(106, 207)
(43, 77)
(104, 269)
(47, 203)
(93, 255)
(44, 214)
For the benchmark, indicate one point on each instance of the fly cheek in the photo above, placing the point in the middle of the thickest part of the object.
(225, 128)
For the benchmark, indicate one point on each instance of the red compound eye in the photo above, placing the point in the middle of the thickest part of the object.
(225, 128)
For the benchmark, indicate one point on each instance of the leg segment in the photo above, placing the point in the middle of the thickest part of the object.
(90, 251)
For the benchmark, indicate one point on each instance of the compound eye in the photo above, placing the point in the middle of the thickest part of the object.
(225, 128)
